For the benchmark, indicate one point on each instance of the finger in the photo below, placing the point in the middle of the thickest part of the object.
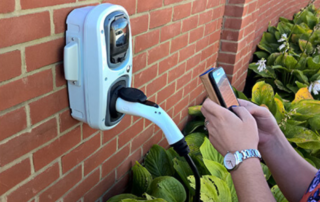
(243, 113)
(245, 103)
(213, 108)
(254, 109)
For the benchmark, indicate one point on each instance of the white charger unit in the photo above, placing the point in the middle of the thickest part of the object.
(97, 61)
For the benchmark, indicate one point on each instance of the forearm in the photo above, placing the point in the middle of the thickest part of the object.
(291, 172)
(250, 183)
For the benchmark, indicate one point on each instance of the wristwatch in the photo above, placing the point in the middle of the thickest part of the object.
(232, 160)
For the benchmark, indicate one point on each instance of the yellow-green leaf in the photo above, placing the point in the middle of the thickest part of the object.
(195, 110)
(303, 94)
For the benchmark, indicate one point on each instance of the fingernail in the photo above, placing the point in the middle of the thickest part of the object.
(233, 106)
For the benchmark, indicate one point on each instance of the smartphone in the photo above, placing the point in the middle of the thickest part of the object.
(222, 87)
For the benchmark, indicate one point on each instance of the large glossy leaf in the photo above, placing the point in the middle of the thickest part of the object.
(216, 169)
(141, 179)
(262, 54)
(272, 58)
(284, 27)
(121, 197)
(302, 94)
(198, 161)
(194, 142)
(231, 188)
(300, 76)
(306, 46)
(168, 188)
(307, 107)
(314, 63)
(299, 132)
(157, 162)
(280, 85)
(313, 145)
(277, 194)
(280, 112)
(212, 189)
(195, 110)
(268, 43)
(301, 85)
(192, 126)
(149, 200)
(184, 171)
(240, 94)
(266, 73)
(262, 93)
(315, 123)
(209, 152)
(290, 62)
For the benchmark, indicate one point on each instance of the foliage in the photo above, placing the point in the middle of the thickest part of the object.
(289, 54)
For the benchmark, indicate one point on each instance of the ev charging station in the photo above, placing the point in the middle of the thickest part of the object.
(98, 68)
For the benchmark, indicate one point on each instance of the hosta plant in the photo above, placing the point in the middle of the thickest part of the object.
(289, 54)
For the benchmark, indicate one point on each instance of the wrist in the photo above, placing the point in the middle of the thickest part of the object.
(273, 143)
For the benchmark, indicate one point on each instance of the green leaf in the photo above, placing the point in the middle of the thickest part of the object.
(301, 77)
(315, 123)
(198, 161)
(315, 160)
(280, 85)
(168, 188)
(171, 153)
(261, 54)
(212, 189)
(290, 62)
(268, 43)
(314, 63)
(313, 145)
(272, 58)
(298, 132)
(120, 197)
(231, 188)
(141, 179)
(194, 141)
(277, 194)
(240, 94)
(158, 163)
(266, 73)
(280, 110)
(284, 28)
(152, 200)
(262, 93)
(209, 152)
(195, 110)
(216, 169)
(301, 85)
(305, 46)
(310, 161)
(307, 107)
(183, 169)
(192, 126)
(266, 171)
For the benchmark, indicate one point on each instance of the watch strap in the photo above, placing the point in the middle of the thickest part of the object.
(248, 153)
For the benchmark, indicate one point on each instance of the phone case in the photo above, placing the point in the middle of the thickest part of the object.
(208, 86)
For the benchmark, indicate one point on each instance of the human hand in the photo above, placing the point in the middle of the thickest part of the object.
(227, 131)
(267, 124)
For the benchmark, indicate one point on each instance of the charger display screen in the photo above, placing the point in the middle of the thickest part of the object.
(225, 88)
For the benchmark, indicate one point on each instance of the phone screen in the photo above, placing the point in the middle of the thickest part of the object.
(225, 88)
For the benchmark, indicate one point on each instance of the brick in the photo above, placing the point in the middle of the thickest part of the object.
(28, 4)
(12, 123)
(183, 80)
(146, 40)
(14, 175)
(231, 23)
(195, 74)
(167, 2)
(198, 6)
(182, 105)
(158, 52)
(26, 142)
(201, 44)
(179, 42)
(164, 143)
(238, 1)
(115, 160)
(160, 17)
(129, 5)
(48, 105)
(145, 76)
(170, 31)
(227, 58)
(252, 7)
(44, 54)
(235, 11)
(218, 13)
(146, 5)
(249, 29)
(181, 11)
(210, 28)
(26, 28)
(10, 64)
(187, 52)
(78, 154)
(196, 34)
(62, 186)
(35, 185)
(66, 121)
(214, 37)
(139, 62)
(139, 24)
(87, 131)
(229, 46)
(140, 139)
(100, 188)
(118, 188)
(231, 35)
(157, 84)
(168, 63)
(7, 6)
(109, 134)
(173, 99)
(191, 85)
(189, 23)
(153, 140)
(56, 148)
(194, 61)
(85, 185)
(130, 133)
(177, 72)
(205, 17)
(99, 157)
(128, 163)
(208, 52)
(60, 18)
(212, 3)
(60, 79)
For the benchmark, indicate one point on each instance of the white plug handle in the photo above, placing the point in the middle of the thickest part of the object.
(156, 115)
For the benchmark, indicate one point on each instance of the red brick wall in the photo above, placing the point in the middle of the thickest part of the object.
(45, 155)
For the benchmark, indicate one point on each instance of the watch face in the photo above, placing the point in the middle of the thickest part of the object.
(229, 161)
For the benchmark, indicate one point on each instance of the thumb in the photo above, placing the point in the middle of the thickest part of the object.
(254, 109)
(242, 113)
